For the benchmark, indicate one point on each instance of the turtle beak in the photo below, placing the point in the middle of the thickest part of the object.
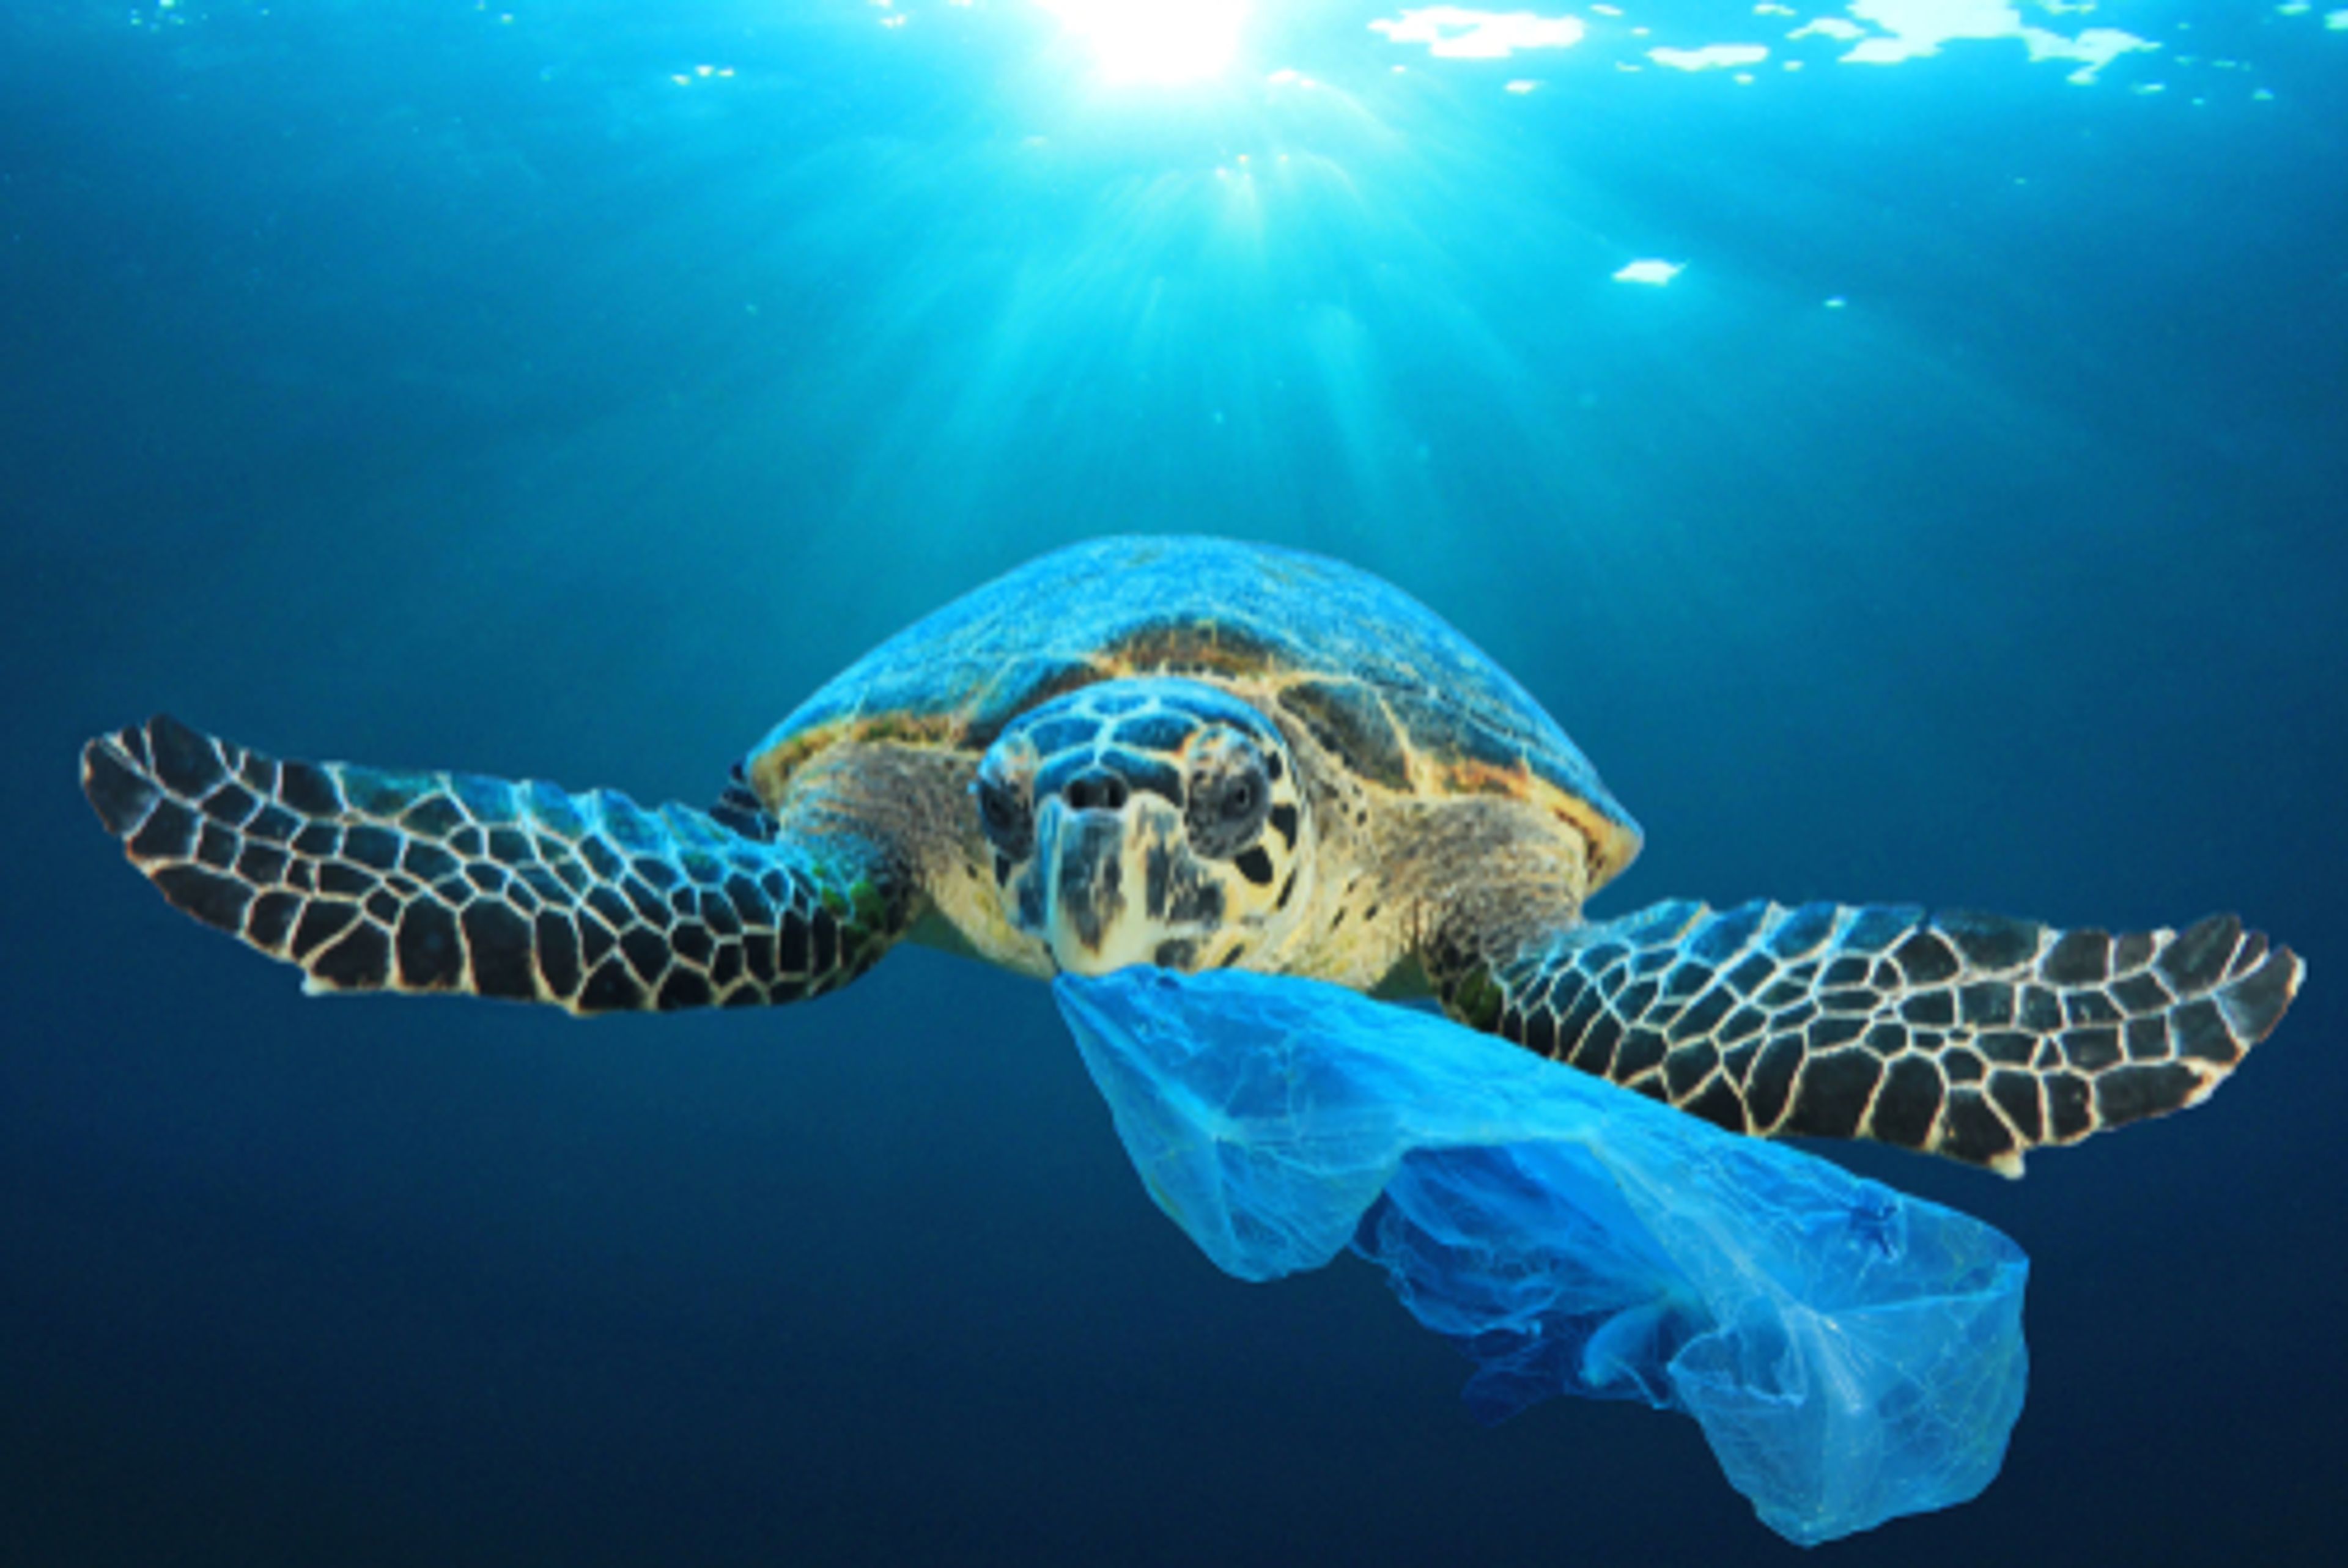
(1083, 854)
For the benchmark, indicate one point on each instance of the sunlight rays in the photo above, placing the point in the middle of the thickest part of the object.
(1153, 41)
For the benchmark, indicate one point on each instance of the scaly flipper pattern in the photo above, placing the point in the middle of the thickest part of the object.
(374, 880)
(1972, 1036)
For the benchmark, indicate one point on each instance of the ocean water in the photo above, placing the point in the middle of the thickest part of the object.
(1910, 459)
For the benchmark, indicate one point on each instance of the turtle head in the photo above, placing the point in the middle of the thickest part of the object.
(1147, 821)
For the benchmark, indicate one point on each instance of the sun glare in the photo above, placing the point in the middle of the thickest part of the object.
(1154, 40)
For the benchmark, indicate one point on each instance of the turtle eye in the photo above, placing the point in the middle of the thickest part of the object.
(1226, 807)
(1002, 813)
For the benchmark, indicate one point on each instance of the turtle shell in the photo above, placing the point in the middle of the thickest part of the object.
(1405, 702)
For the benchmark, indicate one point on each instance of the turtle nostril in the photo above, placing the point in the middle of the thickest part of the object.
(1096, 792)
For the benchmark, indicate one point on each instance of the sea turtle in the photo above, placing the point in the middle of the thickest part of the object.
(1196, 752)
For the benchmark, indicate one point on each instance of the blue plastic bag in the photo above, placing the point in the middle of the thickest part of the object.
(1852, 1354)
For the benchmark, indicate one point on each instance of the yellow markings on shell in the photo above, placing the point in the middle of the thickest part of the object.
(1611, 846)
(1187, 649)
(1466, 775)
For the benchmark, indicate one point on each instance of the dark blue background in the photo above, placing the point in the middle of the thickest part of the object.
(394, 382)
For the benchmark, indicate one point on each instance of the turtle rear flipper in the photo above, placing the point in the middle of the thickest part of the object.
(1973, 1036)
(375, 880)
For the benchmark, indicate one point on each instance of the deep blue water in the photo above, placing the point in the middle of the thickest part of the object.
(421, 384)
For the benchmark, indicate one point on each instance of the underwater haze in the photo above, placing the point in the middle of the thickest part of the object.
(1904, 443)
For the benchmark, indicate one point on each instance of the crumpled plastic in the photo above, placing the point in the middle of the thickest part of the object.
(1852, 1354)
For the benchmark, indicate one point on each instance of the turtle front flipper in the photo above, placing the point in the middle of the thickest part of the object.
(374, 880)
(1972, 1036)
